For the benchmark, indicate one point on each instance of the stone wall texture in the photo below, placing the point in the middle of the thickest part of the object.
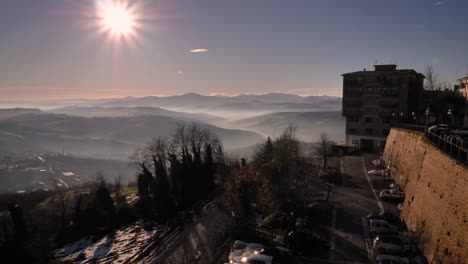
(436, 202)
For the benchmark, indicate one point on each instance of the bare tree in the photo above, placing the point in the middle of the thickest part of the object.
(432, 81)
(323, 149)
(157, 149)
(138, 159)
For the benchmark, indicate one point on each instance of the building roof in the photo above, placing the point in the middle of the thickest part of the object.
(368, 73)
(462, 79)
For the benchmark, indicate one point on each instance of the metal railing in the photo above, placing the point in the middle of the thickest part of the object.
(410, 127)
(444, 143)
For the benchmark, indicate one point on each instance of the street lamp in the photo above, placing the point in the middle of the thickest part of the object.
(401, 117)
(414, 117)
(428, 111)
(450, 115)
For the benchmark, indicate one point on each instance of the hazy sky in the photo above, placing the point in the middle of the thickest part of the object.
(52, 48)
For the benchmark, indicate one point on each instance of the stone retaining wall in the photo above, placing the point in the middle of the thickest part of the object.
(436, 202)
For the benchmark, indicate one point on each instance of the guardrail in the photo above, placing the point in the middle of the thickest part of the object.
(454, 150)
(411, 127)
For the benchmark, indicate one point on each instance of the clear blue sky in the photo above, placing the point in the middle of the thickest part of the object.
(51, 49)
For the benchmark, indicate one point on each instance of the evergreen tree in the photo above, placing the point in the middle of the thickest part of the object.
(104, 201)
(209, 169)
(143, 181)
(268, 150)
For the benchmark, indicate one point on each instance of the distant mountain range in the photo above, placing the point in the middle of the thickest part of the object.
(233, 107)
(241, 106)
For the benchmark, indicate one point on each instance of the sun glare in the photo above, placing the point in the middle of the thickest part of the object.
(117, 18)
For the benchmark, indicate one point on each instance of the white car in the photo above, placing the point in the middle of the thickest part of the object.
(386, 244)
(375, 172)
(258, 258)
(241, 250)
(380, 226)
(392, 194)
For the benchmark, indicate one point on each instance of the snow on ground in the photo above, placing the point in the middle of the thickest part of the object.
(117, 247)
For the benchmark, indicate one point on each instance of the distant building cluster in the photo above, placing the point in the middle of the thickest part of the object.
(373, 100)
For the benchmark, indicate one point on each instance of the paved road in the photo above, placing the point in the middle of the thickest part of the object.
(353, 200)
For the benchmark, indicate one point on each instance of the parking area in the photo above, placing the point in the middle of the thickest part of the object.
(353, 197)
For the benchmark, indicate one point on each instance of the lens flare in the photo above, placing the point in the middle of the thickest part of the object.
(117, 18)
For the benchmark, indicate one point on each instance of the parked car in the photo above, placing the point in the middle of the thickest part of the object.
(279, 254)
(330, 176)
(389, 259)
(386, 244)
(387, 216)
(258, 259)
(375, 172)
(305, 242)
(380, 227)
(388, 179)
(380, 162)
(240, 250)
(392, 194)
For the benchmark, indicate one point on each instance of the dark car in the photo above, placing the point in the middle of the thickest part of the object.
(306, 243)
(387, 216)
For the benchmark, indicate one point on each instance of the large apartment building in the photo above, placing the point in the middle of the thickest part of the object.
(462, 88)
(372, 100)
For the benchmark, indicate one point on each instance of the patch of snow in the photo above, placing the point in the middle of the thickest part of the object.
(117, 247)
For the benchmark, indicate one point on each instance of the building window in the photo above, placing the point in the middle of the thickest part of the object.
(385, 132)
(369, 131)
(353, 131)
(369, 120)
(355, 142)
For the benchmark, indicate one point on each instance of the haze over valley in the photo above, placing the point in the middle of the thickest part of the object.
(112, 129)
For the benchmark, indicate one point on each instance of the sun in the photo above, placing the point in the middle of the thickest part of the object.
(116, 17)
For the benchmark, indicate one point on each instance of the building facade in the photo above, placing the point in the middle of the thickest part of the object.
(462, 88)
(372, 100)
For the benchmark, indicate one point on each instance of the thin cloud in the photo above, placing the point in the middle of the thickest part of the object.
(199, 50)
(439, 3)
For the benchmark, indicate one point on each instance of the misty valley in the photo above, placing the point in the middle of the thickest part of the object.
(69, 141)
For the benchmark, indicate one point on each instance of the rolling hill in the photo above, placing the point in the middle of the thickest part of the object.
(99, 137)
(309, 124)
